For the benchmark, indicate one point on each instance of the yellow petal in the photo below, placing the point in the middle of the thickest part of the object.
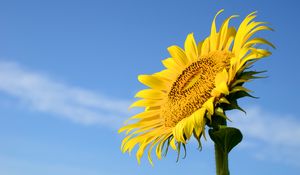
(205, 49)
(258, 41)
(150, 149)
(178, 55)
(221, 82)
(255, 30)
(213, 33)
(221, 77)
(224, 36)
(145, 114)
(188, 127)
(169, 74)
(198, 116)
(130, 144)
(209, 105)
(172, 144)
(146, 127)
(199, 47)
(159, 146)
(178, 131)
(241, 32)
(191, 49)
(124, 141)
(141, 150)
(146, 103)
(255, 54)
(170, 63)
(154, 82)
(230, 37)
(198, 131)
(150, 94)
(142, 125)
(251, 26)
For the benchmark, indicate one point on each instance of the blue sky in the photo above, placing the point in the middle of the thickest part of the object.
(68, 73)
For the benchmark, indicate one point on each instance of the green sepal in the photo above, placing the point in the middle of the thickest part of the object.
(226, 137)
(198, 140)
(220, 112)
(246, 66)
(241, 94)
(167, 147)
(184, 148)
(208, 116)
(224, 100)
(239, 82)
(258, 77)
(178, 153)
(250, 75)
(239, 88)
(233, 105)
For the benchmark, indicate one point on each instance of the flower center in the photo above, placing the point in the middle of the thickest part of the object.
(193, 87)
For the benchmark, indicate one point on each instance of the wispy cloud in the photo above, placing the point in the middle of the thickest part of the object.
(13, 166)
(269, 135)
(44, 94)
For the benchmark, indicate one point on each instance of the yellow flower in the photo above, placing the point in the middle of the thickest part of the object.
(197, 84)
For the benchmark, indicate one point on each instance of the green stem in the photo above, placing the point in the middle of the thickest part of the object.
(221, 156)
(221, 161)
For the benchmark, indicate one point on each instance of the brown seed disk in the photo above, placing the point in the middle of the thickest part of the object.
(193, 87)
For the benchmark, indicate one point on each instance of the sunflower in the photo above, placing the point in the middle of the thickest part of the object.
(200, 82)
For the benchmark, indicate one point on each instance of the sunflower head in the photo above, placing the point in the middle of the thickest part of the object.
(200, 82)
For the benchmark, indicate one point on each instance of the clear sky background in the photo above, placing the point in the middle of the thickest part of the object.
(68, 71)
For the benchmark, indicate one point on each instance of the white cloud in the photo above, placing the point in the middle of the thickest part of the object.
(13, 166)
(269, 135)
(46, 95)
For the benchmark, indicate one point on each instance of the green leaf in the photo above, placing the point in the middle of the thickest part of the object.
(226, 137)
